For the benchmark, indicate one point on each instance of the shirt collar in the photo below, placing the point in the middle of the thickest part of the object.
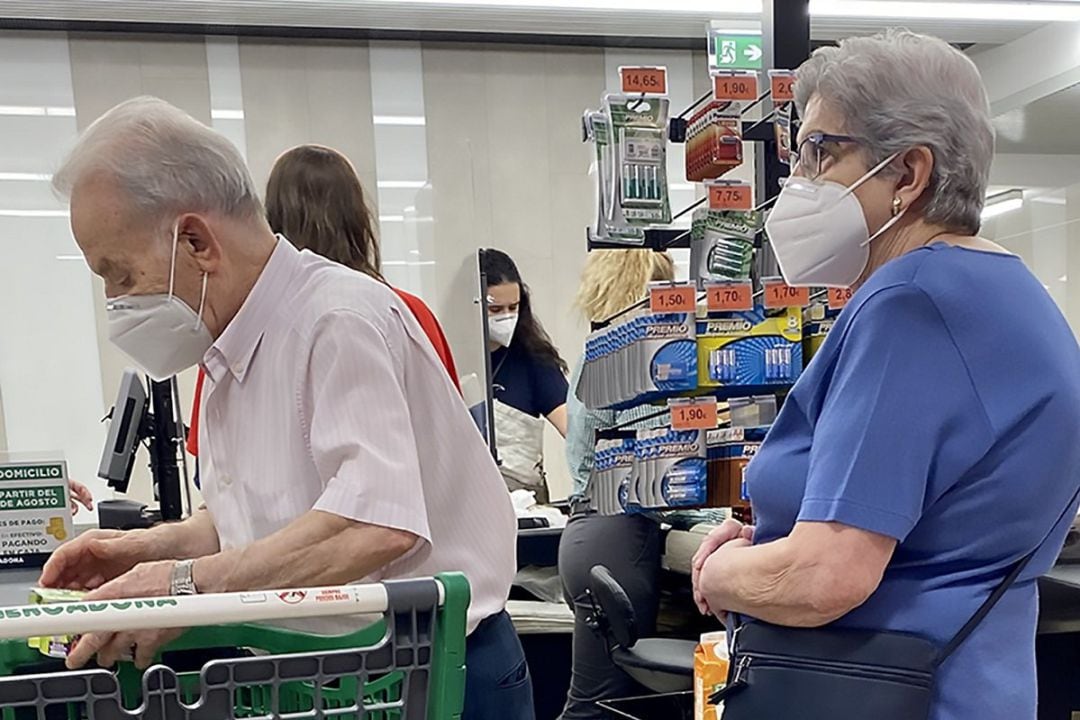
(233, 350)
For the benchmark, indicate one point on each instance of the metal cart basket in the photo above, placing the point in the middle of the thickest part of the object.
(408, 665)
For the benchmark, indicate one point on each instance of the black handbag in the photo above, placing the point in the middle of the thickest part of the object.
(832, 673)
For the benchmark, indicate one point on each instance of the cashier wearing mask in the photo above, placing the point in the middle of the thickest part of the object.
(528, 376)
(932, 442)
(333, 442)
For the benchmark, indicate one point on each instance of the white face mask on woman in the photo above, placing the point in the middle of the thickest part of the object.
(160, 332)
(818, 231)
(501, 328)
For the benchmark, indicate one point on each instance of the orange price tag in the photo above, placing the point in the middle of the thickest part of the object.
(672, 298)
(729, 297)
(650, 80)
(778, 294)
(693, 414)
(782, 85)
(838, 297)
(725, 196)
(735, 87)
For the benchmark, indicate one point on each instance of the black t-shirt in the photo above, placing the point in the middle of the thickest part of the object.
(526, 383)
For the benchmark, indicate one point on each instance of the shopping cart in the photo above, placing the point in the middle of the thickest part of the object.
(408, 665)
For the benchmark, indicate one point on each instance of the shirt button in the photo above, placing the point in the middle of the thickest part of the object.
(226, 479)
(238, 369)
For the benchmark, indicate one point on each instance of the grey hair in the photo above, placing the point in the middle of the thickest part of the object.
(166, 161)
(898, 90)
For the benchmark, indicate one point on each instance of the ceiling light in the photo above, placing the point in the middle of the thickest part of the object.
(414, 120)
(34, 213)
(391, 218)
(409, 263)
(1002, 203)
(704, 7)
(220, 114)
(37, 110)
(26, 177)
(1006, 11)
(71, 257)
(1063, 278)
(401, 184)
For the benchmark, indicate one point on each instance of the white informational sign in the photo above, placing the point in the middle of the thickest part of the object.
(35, 511)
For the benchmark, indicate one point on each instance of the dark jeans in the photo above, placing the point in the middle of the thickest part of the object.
(497, 682)
(629, 546)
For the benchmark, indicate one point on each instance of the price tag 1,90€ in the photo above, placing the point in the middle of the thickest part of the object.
(696, 414)
(735, 86)
(730, 196)
(838, 297)
(778, 294)
(647, 80)
(671, 298)
(729, 296)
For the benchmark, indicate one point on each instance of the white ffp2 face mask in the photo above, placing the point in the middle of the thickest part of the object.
(818, 231)
(501, 328)
(160, 332)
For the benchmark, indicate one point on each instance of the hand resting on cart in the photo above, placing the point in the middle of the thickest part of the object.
(150, 579)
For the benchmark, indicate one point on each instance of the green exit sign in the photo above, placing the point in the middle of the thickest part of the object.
(735, 52)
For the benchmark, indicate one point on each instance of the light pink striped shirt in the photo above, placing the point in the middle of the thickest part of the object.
(324, 393)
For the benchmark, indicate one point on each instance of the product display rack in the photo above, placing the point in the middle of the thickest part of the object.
(786, 45)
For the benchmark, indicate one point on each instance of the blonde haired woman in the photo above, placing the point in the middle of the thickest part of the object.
(629, 545)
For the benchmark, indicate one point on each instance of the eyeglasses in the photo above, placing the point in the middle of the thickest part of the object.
(808, 158)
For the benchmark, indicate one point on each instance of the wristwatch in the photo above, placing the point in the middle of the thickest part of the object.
(182, 582)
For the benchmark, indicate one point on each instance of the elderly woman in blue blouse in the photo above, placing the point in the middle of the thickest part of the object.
(933, 441)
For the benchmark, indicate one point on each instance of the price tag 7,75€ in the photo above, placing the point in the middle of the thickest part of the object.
(730, 196)
(696, 414)
(669, 298)
(778, 294)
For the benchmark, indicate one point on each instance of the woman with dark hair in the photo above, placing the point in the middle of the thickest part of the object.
(528, 376)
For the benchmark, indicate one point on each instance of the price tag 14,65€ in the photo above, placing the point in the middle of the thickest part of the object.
(643, 80)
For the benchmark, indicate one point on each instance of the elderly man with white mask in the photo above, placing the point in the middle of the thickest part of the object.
(334, 447)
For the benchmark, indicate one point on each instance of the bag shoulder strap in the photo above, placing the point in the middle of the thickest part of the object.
(999, 592)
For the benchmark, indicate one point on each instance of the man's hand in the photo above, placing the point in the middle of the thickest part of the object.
(145, 580)
(714, 564)
(80, 495)
(91, 560)
(139, 645)
(729, 530)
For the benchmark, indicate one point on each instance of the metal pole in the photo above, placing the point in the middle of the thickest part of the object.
(785, 30)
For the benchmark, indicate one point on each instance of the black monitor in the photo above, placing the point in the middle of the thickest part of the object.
(135, 418)
(125, 432)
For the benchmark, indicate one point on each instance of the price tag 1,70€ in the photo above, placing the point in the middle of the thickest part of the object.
(729, 297)
(695, 414)
(672, 298)
(778, 294)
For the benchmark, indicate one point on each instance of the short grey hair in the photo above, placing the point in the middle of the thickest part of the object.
(897, 90)
(166, 161)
